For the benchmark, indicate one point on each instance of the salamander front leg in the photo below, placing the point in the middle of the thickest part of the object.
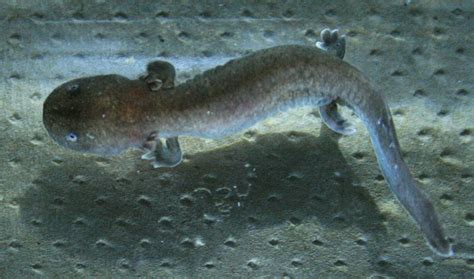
(163, 156)
(160, 75)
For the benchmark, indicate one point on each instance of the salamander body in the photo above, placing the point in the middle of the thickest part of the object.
(110, 113)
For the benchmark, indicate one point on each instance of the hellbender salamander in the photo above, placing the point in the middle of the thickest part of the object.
(108, 114)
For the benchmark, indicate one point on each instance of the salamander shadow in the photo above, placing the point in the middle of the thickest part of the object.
(184, 217)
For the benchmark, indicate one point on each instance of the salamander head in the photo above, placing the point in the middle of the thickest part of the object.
(99, 114)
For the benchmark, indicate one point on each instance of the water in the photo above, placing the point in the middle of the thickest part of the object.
(264, 202)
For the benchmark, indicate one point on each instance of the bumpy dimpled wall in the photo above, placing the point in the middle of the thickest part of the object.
(285, 198)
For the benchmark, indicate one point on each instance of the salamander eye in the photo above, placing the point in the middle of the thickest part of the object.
(73, 89)
(72, 137)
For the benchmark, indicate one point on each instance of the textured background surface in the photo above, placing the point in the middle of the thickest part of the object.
(282, 199)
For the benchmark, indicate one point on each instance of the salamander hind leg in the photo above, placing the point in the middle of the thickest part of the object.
(160, 75)
(332, 43)
(335, 45)
(334, 120)
(163, 156)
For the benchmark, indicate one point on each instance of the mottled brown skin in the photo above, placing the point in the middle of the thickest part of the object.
(106, 113)
(111, 113)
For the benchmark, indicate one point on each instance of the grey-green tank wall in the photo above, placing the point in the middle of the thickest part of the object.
(283, 199)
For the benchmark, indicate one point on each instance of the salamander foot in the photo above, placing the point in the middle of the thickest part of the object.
(163, 156)
(334, 120)
(332, 43)
(160, 75)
